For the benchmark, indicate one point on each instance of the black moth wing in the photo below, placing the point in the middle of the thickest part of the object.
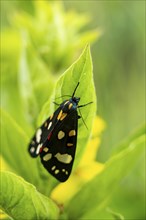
(58, 152)
(42, 133)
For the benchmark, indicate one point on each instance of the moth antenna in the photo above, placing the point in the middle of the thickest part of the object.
(75, 89)
(83, 119)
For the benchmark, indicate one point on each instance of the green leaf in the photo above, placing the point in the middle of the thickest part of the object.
(105, 183)
(4, 216)
(14, 142)
(80, 71)
(21, 200)
(116, 216)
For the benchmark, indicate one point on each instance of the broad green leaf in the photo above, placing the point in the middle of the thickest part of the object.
(4, 216)
(14, 143)
(80, 71)
(99, 190)
(20, 200)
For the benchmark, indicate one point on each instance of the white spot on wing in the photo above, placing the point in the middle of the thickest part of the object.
(38, 148)
(64, 158)
(32, 149)
(38, 135)
(50, 124)
(32, 142)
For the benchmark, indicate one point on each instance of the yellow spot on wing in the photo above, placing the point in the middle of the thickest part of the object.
(47, 157)
(64, 158)
(61, 134)
(63, 116)
(51, 116)
(72, 133)
(45, 124)
(46, 149)
(70, 105)
(56, 171)
(53, 168)
(69, 144)
(59, 115)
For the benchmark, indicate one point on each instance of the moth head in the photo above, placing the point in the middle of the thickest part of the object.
(76, 100)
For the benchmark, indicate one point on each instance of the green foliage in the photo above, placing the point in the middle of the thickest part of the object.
(37, 48)
(15, 150)
(21, 200)
(55, 34)
(43, 47)
(80, 71)
(115, 169)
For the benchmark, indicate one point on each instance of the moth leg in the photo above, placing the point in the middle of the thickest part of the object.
(56, 104)
(80, 106)
(82, 119)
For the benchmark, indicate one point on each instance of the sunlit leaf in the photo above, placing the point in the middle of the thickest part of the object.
(80, 71)
(14, 142)
(21, 200)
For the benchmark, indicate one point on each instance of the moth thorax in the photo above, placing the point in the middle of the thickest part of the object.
(75, 101)
(67, 107)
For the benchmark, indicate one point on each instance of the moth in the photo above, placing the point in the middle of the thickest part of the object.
(55, 141)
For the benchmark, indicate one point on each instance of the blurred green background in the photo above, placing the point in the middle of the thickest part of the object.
(118, 60)
(119, 66)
